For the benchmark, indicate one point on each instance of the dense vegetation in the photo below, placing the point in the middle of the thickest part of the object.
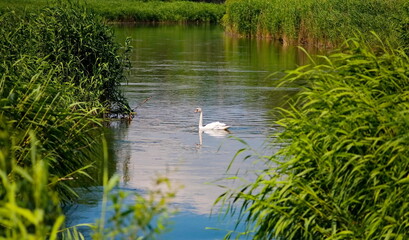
(317, 22)
(158, 11)
(60, 71)
(139, 10)
(342, 171)
(342, 168)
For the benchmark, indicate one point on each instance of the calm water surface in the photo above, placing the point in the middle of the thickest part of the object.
(181, 67)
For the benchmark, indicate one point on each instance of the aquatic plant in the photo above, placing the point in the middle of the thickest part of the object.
(342, 168)
(78, 43)
(315, 22)
(33, 100)
(60, 71)
(30, 208)
(139, 10)
(158, 11)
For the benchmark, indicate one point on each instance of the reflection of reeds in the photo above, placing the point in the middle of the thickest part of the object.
(316, 22)
(343, 173)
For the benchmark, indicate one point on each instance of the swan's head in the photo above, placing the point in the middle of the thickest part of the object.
(198, 110)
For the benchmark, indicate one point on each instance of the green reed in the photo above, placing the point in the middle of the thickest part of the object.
(139, 10)
(157, 11)
(76, 42)
(30, 208)
(319, 22)
(60, 72)
(342, 168)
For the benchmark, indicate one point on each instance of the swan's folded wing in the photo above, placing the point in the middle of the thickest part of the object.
(216, 125)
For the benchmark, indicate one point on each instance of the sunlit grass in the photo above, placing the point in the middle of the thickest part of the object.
(137, 11)
(60, 72)
(317, 22)
(342, 170)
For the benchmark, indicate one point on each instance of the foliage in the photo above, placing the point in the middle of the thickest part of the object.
(75, 41)
(144, 218)
(140, 10)
(158, 11)
(317, 22)
(342, 169)
(59, 70)
(33, 100)
(30, 208)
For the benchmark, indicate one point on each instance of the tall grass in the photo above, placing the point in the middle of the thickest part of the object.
(76, 42)
(138, 10)
(30, 208)
(60, 71)
(342, 171)
(157, 11)
(322, 22)
(33, 100)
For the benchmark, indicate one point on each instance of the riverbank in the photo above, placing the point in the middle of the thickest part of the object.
(319, 23)
(138, 11)
(61, 71)
(293, 22)
(342, 168)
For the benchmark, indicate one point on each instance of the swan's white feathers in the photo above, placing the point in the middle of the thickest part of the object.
(210, 126)
(215, 126)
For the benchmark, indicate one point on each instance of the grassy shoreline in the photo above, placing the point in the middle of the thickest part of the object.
(60, 71)
(343, 175)
(137, 11)
(341, 171)
(318, 22)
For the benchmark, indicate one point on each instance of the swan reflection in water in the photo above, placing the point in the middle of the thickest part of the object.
(213, 133)
(214, 129)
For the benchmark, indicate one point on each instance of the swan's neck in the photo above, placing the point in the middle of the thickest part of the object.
(201, 120)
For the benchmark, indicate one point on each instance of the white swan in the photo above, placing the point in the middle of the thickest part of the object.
(210, 126)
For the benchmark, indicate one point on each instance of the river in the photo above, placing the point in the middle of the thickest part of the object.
(177, 68)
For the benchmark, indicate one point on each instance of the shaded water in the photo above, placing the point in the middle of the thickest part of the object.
(181, 67)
